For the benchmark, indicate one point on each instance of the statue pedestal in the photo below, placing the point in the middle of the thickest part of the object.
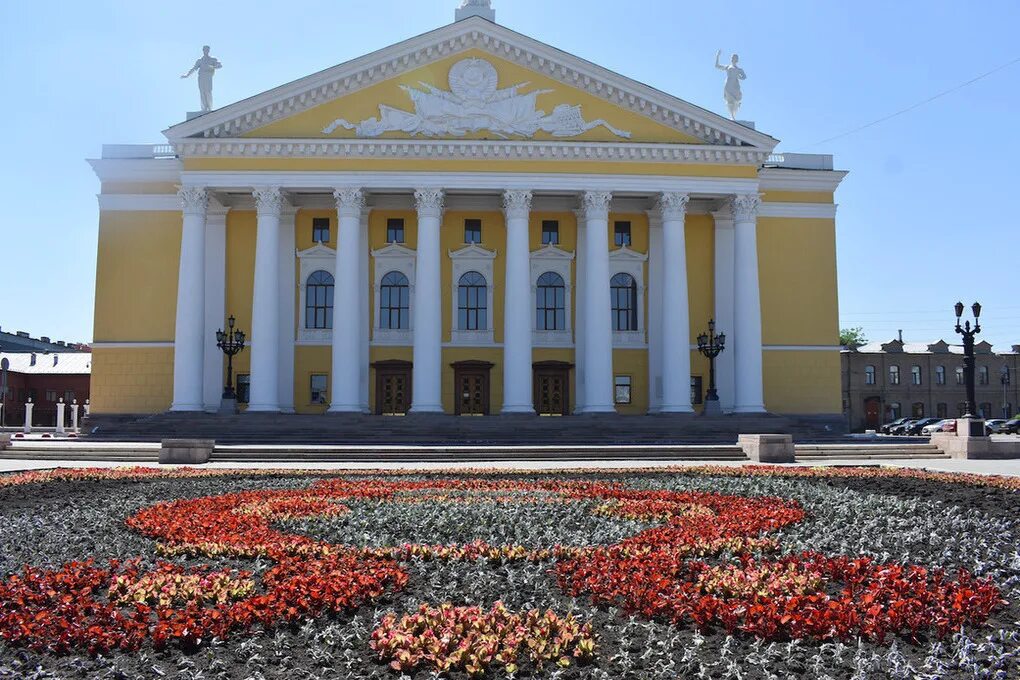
(712, 408)
(228, 406)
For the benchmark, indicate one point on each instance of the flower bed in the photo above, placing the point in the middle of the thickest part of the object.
(508, 574)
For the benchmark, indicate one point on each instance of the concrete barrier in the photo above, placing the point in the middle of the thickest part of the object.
(185, 451)
(767, 448)
(969, 442)
(5, 440)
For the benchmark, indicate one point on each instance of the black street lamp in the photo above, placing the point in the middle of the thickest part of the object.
(711, 345)
(968, 334)
(231, 342)
(1004, 379)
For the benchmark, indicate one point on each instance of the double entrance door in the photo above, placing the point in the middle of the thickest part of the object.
(471, 387)
(551, 385)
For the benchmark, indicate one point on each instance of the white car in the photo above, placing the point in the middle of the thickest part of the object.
(929, 430)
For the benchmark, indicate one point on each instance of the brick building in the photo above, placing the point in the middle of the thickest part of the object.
(885, 381)
(46, 377)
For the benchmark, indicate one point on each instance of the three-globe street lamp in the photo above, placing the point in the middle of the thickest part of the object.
(711, 345)
(968, 334)
(231, 342)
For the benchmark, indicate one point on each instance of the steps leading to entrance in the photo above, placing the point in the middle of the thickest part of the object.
(823, 452)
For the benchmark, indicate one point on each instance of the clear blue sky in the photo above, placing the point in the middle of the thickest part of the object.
(78, 74)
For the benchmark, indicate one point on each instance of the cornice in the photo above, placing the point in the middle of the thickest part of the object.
(473, 33)
(786, 179)
(137, 169)
(413, 149)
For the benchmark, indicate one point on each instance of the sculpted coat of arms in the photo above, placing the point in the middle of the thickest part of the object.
(474, 102)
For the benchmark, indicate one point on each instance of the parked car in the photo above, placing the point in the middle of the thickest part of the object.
(902, 428)
(992, 425)
(932, 428)
(887, 428)
(1011, 426)
(918, 425)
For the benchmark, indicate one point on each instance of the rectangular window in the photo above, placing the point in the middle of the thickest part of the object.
(621, 389)
(395, 230)
(983, 375)
(320, 229)
(243, 388)
(318, 388)
(550, 232)
(472, 231)
(894, 375)
(941, 410)
(940, 375)
(621, 233)
(915, 375)
(696, 391)
(51, 396)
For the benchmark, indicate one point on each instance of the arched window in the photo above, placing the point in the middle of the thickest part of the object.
(983, 375)
(917, 409)
(624, 296)
(940, 375)
(915, 375)
(959, 376)
(869, 375)
(472, 303)
(319, 300)
(894, 410)
(394, 302)
(550, 303)
(894, 375)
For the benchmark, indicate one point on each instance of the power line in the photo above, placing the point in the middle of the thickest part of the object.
(915, 106)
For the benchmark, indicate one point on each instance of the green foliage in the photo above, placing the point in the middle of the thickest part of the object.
(852, 338)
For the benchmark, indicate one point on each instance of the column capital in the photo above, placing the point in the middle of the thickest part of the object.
(595, 204)
(429, 202)
(672, 205)
(268, 200)
(516, 203)
(194, 200)
(745, 207)
(350, 201)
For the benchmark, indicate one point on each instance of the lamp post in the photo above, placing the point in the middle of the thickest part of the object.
(968, 334)
(711, 345)
(230, 342)
(1004, 379)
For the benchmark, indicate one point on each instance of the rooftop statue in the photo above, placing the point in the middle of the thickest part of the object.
(206, 66)
(734, 74)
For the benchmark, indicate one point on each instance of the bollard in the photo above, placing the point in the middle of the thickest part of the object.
(74, 416)
(28, 415)
(60, 417)
(86, 409)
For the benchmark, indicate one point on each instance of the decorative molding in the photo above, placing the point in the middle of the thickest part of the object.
(194, 200)
(350, 201)
(595, 204)
(137, 169)
(474, 103)
(319, 257)
(745, 207)
(414, 149)
(498, 41)
(268, 200)
(390, 258)
(472, 258)
(429, 202)
(551, 258)
(516, 203)
(788, 179)
(798, 210)
(672, 205)
(139, 202)
(626, 261)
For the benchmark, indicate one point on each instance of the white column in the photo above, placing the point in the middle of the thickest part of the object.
(265, 309)
(517, 306)
(724, 321)
(346, 375)
(598, 328)
(654, 311)
(188, 359)
(213, 376)
(28, 416)
(676, 325)
(747, 307)
(288, 291)
(364, 298)
(579, 288)
(426, 313)
(74, 416)
(59, 429)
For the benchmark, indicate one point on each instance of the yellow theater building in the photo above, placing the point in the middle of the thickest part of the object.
(467, 222)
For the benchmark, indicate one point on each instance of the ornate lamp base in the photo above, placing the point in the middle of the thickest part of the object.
(228, 406)
(712, 408)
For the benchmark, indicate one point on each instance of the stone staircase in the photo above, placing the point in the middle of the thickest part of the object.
(78, 450)
(806, 453)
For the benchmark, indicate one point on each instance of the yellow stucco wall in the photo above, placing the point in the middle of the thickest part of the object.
(802, 381)
(364, 104)
(131, 379)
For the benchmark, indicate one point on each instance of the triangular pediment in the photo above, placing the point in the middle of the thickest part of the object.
(470, 80)
(318, 250)
(472, 251)
(551, 252)
(394, 250)
(625, 254)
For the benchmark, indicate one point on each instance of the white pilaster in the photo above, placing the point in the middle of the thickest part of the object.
(598, 329)
(579, 287)
(676, 325)
(518, 306)
(265, 309)
(655, 297)
(724, 318)
(213, 376)
(189, 362)
(345, 394)
(747, 306)
(288, 293)
(364, 301)
(426, 313)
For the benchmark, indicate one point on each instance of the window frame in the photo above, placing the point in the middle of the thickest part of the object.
(558, 310)
(870, 374)
(616, 310)
(402, 309)
(625, 383)
(983, 377)
(697, 390)
(550, 233)
(313, 304)
(961, 376)
(318, 227)
(395, 226)
(915, 375)
(894, 374)
(472, 302)
(322, 392)
(472, 231)
(242, 387)
(622, 234)
(940, 375)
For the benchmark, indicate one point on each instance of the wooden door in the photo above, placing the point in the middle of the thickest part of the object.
(872, 412)
(551, 385)
(392, 387)
(471, 388)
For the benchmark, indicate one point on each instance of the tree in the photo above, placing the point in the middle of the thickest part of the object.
(852, 338)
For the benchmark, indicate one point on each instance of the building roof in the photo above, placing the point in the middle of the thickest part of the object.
(934, 347)
(21, 341)
(49, 363)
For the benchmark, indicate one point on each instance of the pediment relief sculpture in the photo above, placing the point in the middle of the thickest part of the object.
(473, 103)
